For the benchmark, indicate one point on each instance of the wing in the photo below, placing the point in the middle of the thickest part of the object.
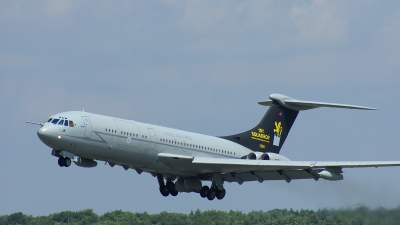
(241, 170)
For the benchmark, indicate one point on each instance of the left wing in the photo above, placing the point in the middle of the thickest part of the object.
(241, 170)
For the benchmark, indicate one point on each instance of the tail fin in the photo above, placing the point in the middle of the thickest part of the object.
(270, 134)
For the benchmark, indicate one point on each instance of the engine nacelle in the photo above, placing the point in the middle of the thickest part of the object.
(274, 156)
(188, 185)
(329, 175)
(266, 156)
(258, 155)
(82, 162)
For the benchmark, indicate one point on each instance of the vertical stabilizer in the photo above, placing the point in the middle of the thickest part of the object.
(272, 131)
(270, 134)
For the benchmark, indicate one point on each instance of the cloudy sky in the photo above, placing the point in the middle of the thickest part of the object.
(200, 66)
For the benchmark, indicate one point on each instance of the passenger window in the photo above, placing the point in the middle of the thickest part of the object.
(61, 122)
(55, 121)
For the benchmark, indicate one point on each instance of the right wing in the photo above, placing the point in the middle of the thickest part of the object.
(241, 170)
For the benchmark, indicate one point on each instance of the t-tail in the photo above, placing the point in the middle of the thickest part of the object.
(273, 129)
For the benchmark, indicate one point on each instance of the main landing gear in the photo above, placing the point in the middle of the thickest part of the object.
(168, 188)
(64, 161)
(212, 192)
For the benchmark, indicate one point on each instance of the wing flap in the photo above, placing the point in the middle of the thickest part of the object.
(270, 175)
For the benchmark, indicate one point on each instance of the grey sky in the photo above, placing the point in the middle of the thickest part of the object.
(199, 66)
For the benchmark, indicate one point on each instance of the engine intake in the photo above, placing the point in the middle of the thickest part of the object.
(266, 156)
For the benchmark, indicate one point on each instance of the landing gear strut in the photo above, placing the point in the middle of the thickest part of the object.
(64, 161)
(168, 188)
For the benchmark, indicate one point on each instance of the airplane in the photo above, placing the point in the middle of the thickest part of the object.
(181, 161)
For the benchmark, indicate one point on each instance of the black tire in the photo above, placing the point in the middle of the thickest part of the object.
(221, 194)
(204, 191)
(67, 162)
(170, 185)
(174, 193)
(171, 188)
(164, 190)
(211, 194)
(61, 161)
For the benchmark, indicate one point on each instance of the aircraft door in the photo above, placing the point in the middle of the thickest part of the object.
(153, 139)
(88, 126)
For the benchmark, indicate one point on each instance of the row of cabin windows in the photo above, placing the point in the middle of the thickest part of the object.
(125, 133)
(129, 134)
(64, 122)
(197, 146)
(111, 131)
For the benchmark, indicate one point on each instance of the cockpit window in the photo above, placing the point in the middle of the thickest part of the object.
(49, 120)
(55, 121)
(71, 123)
(61, 122)
(66, 123)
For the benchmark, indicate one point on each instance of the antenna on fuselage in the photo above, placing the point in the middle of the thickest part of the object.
(83, 110)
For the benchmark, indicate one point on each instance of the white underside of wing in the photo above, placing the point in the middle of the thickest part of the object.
(224, 165)
(268, 165)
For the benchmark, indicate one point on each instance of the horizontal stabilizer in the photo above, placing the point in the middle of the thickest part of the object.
(299, 105)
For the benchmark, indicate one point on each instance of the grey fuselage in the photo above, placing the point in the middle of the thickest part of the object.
(132, 144)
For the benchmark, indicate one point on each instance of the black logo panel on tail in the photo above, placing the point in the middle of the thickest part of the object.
(270, 134)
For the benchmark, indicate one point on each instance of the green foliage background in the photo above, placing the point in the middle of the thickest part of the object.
(351, 216)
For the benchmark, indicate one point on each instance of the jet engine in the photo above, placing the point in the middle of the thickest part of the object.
(258, 156)
(82, 162)
(266, 156)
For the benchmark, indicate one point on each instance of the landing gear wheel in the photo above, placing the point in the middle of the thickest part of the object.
(221, 194)
(204, 191)
(164, 190)
(61, 161)
(67, 162)
(211, 194)
(171, 188)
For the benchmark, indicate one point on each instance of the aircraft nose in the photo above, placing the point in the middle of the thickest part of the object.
(44, 133)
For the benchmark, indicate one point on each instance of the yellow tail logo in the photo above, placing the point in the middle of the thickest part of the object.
(278, 128)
